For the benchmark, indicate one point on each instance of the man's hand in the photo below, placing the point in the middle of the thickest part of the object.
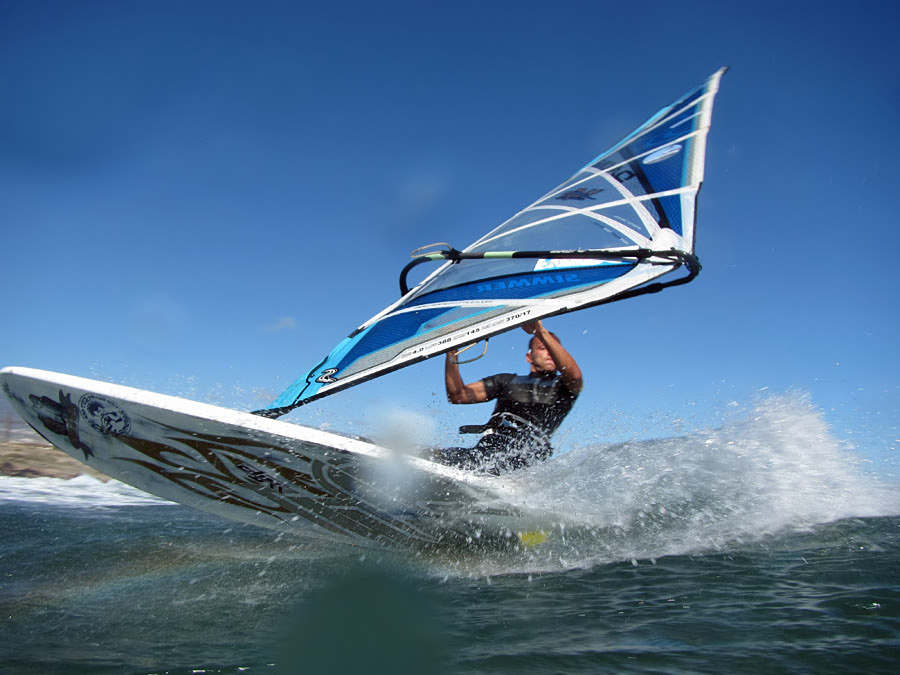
(532, 327)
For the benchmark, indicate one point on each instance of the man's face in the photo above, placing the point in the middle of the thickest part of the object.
(539, 358)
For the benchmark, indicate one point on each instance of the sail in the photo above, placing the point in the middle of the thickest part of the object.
(607, 233)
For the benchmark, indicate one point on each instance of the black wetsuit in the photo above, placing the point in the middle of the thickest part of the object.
(529, 408)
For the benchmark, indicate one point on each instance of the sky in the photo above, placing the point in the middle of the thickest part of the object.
(203, 198)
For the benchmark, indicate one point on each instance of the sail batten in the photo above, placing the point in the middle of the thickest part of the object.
(614, 230)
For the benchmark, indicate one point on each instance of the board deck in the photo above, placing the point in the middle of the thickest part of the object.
(251, 469)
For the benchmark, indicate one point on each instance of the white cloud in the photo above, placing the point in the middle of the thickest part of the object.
(284, 323)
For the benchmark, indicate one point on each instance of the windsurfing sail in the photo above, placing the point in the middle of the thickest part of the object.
(607, 233)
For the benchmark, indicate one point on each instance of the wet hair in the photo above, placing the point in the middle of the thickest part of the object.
(535, 337)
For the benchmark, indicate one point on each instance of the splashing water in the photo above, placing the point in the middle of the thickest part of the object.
(776, 469)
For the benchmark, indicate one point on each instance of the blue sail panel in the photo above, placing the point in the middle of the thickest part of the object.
(394, 332)
(534, 284)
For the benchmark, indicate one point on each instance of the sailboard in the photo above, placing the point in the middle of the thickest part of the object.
(265, 472)
(618, 228)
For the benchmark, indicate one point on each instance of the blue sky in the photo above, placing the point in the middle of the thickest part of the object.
(203, 198)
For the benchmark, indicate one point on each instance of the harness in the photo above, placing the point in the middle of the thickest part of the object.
(511, 433)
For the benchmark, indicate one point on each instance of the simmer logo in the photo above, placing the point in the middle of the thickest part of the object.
(523, 282)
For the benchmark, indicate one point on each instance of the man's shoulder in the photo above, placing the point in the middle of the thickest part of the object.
(500, 378)
(573, 389)
(494, 385)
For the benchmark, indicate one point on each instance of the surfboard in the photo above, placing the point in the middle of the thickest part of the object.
(251, 469)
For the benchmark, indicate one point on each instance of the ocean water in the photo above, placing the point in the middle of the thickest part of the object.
(761, 546)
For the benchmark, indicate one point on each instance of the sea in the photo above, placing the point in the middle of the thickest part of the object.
(765, 545)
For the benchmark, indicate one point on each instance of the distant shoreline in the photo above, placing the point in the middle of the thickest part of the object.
(36, 460)
(25, 454)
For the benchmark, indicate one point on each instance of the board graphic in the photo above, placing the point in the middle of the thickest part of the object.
(266, 472)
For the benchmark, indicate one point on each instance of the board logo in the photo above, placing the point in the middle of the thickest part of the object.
(104, 415)
(326, 376)
(261, 477)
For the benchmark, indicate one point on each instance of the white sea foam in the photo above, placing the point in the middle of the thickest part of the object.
(82, 491)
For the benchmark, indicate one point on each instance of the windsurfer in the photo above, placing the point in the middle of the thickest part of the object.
(528, 408)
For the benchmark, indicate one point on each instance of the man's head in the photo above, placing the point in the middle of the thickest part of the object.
(538, 356)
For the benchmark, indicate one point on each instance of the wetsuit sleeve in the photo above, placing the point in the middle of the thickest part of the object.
(494, 385)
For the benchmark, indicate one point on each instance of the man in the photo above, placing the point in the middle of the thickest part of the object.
(528, 409)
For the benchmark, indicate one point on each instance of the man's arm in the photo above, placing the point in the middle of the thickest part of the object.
(569, 371)
(457, 392)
